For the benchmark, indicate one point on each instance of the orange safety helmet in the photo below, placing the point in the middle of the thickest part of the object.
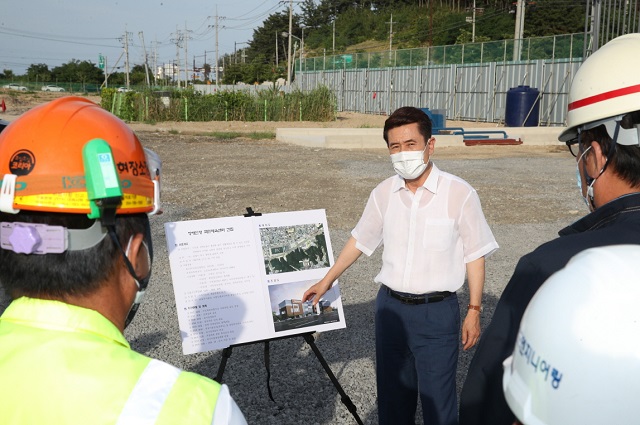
(41, 162)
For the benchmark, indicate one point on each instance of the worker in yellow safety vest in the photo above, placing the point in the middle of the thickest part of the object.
(75, 257)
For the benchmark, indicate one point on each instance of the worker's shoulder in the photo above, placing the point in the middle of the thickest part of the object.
(197, 380)
(194, 396)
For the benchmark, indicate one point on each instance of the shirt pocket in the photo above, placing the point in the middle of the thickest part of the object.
(438, 234)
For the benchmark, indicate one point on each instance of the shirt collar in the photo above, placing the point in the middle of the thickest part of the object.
(603, 215)
(431, 183)
(59, 316)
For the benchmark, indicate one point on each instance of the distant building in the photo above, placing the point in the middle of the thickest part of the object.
(308, 308)
(168, 70)
(291, 308)
(325, 306)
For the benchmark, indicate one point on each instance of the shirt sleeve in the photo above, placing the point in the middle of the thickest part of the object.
(368, 231)
(227, 411)
(477, 238)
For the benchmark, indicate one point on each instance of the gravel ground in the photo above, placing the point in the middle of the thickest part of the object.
(527, 197)
(528, 194)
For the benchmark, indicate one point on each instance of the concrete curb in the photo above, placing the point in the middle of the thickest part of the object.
(371, 138)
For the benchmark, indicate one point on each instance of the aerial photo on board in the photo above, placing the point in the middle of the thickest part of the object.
(294, 248)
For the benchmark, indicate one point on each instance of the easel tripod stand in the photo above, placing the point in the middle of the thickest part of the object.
(308, 337)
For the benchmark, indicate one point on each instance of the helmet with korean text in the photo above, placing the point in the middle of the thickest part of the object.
(577, 352)
(45, 163)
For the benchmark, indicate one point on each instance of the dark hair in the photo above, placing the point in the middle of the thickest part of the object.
(71, 272)
(623, 160)
(408, 115)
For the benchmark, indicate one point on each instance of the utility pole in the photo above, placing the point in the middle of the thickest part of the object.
(216, 65)
(517, 37)
(473, 23)
(596, 13)
(178, 41)
(289, 50)
(334, 36)
(276, 49)
(390, 32)
(302, 48)
(155, 63)
(186, 57)
(126, 56)
(146, 62)
(390, 38)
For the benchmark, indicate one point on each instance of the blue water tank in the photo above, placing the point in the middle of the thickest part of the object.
(522, 107)
(438, 118)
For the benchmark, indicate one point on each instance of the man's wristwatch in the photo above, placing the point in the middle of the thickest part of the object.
(474, 307)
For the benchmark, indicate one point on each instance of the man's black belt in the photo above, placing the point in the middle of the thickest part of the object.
(417, 299)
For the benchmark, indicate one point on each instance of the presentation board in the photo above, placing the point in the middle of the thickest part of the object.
(241, 279)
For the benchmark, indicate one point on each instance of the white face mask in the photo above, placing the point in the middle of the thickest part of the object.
(579, 179)
(588, 198)
(409, 164)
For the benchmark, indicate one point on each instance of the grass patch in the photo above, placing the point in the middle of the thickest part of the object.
(259, 135)
(189, 105)
(174, 131)
(229, 135)
(225, 135)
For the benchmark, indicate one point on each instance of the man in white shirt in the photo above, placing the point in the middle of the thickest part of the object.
(433, 230)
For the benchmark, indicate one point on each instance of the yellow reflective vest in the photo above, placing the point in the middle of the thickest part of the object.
(62, 364)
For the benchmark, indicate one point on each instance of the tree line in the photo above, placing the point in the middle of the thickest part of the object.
(77, 71)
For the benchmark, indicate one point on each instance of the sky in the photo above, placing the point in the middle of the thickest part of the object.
(56, 31)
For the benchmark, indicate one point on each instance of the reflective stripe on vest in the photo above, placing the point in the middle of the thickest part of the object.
(148, 396)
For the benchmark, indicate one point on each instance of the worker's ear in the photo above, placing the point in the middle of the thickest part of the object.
(138, 254)
(599, 159)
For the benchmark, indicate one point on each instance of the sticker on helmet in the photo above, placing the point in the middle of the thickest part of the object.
(22, 162)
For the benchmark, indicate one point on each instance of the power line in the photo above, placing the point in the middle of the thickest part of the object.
(58, 40)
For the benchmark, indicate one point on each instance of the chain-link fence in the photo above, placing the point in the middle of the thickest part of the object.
(568, 46)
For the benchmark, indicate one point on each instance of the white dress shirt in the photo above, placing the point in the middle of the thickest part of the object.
(428, 236)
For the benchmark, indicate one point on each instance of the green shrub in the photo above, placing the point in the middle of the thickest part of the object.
(189, 105)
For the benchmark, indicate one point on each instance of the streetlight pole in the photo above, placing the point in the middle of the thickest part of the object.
(473, 25)
(302, 47)
(289, 63)
(333, 44)
(517, 39)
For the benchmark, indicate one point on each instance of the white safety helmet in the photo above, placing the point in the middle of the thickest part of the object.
(577, 356)
(605, 88)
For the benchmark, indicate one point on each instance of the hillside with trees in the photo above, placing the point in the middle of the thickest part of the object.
(350, 26)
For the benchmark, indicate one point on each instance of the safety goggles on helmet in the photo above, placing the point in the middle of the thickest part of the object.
(622, 129)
